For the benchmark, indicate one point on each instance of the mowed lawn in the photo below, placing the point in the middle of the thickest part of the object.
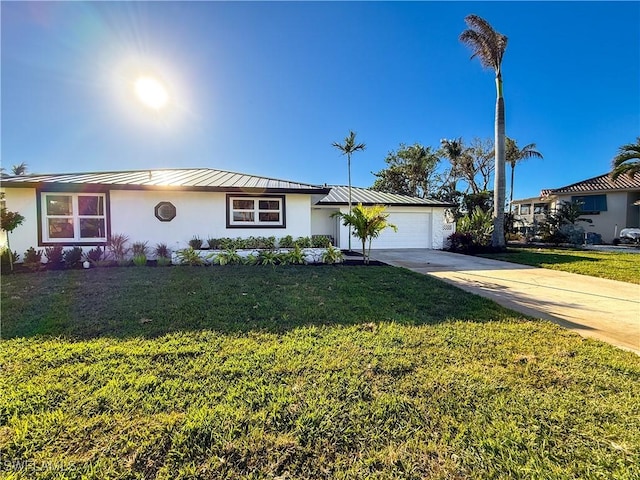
(621, 266)
(300, 373)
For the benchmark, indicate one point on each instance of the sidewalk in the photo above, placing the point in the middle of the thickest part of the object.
(594, 307)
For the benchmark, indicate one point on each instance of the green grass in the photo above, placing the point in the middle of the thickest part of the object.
(300, 372)
(621, 266)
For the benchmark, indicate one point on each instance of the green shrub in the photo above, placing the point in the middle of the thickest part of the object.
(294, 257)
(189, 256)
(320, 241)
(163, 261)
(5, 261)
(214, 243)
(140, 260)
(286, 242)
(195, 243)
(227, 257)
(33, 259)
(54, 256)
(269, 257)
(94, 255)
(332, 255)
(303, 242)
(72, 258)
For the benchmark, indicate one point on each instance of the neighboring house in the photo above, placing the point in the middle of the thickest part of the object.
(610, 205)
(528, 213)
(174, 205)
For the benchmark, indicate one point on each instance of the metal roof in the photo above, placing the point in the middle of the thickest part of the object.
(198, 179)
(598, 184)
(339, 195)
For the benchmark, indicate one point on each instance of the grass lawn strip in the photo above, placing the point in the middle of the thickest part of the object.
(624, 267)
(386, 382)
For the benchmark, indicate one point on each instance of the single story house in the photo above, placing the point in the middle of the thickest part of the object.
(174, 205)
(610, 205)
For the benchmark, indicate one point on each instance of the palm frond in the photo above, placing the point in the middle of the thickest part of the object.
(627, 161)
(486, 43)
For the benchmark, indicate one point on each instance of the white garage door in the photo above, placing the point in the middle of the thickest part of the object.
(414, 231)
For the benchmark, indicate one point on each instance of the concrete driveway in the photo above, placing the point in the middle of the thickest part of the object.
(594, 307)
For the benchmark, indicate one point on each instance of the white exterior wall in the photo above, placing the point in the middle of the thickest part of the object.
(605, 223)
(23, 201)
(323, 224)
(201, 214)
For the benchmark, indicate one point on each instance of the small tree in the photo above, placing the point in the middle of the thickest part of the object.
(560, 225)
(366, 223)
(9, 221)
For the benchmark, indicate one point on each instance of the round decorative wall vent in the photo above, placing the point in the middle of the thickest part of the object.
(165, 211)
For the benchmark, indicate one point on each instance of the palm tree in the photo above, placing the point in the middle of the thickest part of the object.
(20, 169)
(348, 148)
(627, 161)
(514, 155)
(489, 46)
(368, 223)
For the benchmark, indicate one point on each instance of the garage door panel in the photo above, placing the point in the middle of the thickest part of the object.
(414, 231)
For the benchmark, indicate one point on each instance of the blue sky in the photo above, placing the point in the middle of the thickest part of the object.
(265, 88)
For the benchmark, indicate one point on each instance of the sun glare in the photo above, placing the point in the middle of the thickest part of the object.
(151, 92)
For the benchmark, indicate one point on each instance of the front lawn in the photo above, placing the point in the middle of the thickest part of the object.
(300, 372)
(621, 266)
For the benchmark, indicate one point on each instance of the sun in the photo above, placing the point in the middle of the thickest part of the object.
(151, 92)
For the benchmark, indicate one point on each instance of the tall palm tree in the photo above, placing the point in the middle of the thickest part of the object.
(514, 155)
(454, 150)
(348, 148)
(489, 46)
(627, 161)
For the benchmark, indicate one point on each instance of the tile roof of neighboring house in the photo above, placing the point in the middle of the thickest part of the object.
(196, 179)
(598, 184)
(339, 195)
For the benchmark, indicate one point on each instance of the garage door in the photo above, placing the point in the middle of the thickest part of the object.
(414, 231)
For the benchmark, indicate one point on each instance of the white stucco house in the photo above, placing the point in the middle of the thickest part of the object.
(610, 205)
(174, 205)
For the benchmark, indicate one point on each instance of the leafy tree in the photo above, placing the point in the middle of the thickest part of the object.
(348, 148)
(367, 223)
(412, 170)
(9, 221)
(472, 164)
(515, 155)
(627, 161)
(489, 46)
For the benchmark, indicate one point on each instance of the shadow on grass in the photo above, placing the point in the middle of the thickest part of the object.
(150, 302)
(539, 259)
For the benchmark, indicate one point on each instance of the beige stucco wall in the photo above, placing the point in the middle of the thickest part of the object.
(609, 222)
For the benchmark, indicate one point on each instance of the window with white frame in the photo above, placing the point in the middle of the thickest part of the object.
(73, 217)
(247, 211)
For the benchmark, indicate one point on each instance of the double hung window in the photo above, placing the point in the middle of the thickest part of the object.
(73, 217)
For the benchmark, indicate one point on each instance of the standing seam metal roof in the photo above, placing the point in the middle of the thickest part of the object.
(196, 178)
(339, 195)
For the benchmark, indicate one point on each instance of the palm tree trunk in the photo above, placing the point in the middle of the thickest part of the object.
(349, 175)
(498, 238)
(364, 251)
(513, 168)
